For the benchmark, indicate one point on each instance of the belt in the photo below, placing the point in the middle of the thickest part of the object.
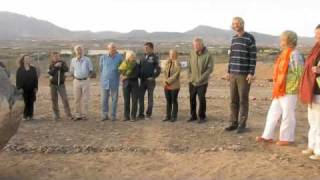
(81, 79)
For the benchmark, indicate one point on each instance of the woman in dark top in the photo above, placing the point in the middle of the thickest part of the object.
(129, 70)
(27, 80)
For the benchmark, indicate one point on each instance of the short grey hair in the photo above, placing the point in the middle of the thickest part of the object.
(292, 38)
(77, 47)
(240, 19)
(112, 44)
(198, 39)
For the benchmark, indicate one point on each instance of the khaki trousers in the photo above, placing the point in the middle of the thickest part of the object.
(239, 94)
(81, 91)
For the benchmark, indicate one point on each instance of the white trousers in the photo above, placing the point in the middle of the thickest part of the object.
(281, 110)
(81, 91)
(314, 123)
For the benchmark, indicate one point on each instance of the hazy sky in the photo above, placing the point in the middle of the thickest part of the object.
(267, 16)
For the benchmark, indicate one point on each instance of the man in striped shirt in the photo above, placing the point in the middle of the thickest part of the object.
(241, 70)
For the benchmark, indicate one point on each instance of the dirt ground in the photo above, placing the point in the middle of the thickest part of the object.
(152, 149)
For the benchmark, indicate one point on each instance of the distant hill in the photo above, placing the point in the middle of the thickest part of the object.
(15, 26)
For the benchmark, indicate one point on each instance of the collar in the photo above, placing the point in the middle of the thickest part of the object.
(148, 55)
(244, 32)
(109, 54)
(201, 51)
(79, 59)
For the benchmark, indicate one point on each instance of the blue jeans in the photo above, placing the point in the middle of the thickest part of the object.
(106, 93)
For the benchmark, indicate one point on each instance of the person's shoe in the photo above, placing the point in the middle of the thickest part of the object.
(24, 119)
(84, 118)
(166, 119)
(202, 120)
(126, 119)
(148, 116)
(307, 152)
(113, 119)
(192, 119)
(261, 139)
(133, 120)
(315, 157)
(231, 127)
(30, 118)
(77, 118)
(141, 116)
(71, 118)
(241, 129)
(283, 143)
(56, 118)
(173, 120)
(105, 118)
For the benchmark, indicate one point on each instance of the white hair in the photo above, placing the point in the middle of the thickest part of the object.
(77, 47)
(130, 54)
(112, 44)
(198, 40)
(240, 20)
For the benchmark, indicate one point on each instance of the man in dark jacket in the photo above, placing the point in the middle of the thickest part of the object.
(149, 71)
(57, 70)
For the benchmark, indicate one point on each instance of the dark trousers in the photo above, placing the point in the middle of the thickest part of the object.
(29, 97)
(239, 94)
(199, 91)
(130, 91)
(146, 86)
(172, 103)
(55, 92)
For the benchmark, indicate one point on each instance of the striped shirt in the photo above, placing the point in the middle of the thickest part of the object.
(243, 55)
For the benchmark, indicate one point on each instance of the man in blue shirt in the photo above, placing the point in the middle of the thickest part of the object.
(110, 78)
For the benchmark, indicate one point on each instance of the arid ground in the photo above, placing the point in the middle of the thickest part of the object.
(152, 149)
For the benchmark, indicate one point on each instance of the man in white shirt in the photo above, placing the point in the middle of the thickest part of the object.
(81, 68)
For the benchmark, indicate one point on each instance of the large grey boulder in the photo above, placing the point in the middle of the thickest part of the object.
(10, 112)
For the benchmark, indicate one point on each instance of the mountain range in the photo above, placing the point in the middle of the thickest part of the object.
(19, 27)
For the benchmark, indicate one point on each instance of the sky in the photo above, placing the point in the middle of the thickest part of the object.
(267, 16)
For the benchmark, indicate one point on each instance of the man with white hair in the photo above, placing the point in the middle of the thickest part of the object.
(110, 78)
(200, 66)
(241, 70)
(81, 69)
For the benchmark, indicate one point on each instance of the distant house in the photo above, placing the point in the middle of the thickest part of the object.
(93, 52)
(99, 52)
(96, 52)
(66, 52)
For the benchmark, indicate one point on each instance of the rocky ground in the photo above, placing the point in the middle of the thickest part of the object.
(152, 149)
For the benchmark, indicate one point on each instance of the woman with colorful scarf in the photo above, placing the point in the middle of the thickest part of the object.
(310, 94)
(286, 77)
(129, 70)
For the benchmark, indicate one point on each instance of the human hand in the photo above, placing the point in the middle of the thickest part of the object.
(250, 78)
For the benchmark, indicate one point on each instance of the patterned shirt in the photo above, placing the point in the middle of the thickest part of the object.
(295, 70)
(243, 55)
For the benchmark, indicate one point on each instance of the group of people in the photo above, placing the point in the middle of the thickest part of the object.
(293, 79)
